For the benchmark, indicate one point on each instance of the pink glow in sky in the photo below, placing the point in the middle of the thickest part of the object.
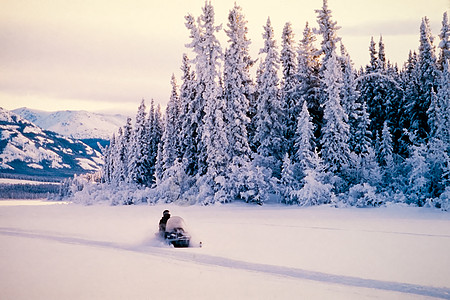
(106, 55)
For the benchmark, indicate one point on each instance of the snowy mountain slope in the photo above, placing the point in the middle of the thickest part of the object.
(74, 124)
(27, 149)
(268, 252)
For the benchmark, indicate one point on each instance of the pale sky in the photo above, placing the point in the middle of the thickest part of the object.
(107, 55)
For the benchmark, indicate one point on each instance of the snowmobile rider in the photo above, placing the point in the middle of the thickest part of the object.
(163, 222)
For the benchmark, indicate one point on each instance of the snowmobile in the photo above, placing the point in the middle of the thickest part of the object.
(175, 233)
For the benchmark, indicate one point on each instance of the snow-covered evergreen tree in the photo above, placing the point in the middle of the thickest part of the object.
(308, 169)
(191, 117)
(237, 92)
(313, 188)
(308, 77)
(335, 131)
(237, 85)
(253, 108)
(288, 181)
(139, 163)
(438, 161)
(214, 142)
(386, 150)
(442, 126)
(118, 170)
(328, 30)
(171, 136)
(434, 114)
(409, 85)
(382, 94)
(382, 64)
(107, 168)
(124, 151)
(269, 114)
(354, 107)
(386, 156)
(304, 139)
(289, 96)
(444, 44)
(363, 195)
(426, 74)
(196, 155)
(154, 132)
(417, 189)
(373, 66)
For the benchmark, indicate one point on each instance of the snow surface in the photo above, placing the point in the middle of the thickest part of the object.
(249, 252)
(22, 181)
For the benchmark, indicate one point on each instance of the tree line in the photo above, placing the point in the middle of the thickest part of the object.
(309, 129)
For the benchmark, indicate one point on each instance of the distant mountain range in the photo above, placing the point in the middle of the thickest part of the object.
(27, 149)
(74, 124)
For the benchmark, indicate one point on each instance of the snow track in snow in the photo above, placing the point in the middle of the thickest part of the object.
(354, 230)
(187, 255)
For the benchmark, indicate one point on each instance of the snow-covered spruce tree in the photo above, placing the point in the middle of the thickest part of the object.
(157, 130)
(213, 134)
(107, 153)
(289, 83)
(444, 44)
(417, 189)
(409, 84)
(382, 94)
(395, 107)
(313, 189)
(124, 150)
(308, 170)
(349, 93)
(237, 91)
(139, 163)
(308, 77)
(288, 181)
(171, 135)
(237, 85)
(386, 155)
(441, 130)
(438, 161)
(363, 195)
(382, 64)
(421, 91)
(354, 107)
(253, 108)
(197, 151)
(362, 167)
(373, 66)
(191, 114)
(434, 114)
(304, 141)
(328, 30)
(269, 115)
(335, 131)
(117, 174)
(438, 152)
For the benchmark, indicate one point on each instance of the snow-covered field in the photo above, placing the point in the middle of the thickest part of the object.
(70, 251)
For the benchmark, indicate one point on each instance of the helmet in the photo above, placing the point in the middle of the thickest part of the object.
(166, 212)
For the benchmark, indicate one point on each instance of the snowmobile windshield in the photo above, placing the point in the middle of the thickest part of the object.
(175, 223)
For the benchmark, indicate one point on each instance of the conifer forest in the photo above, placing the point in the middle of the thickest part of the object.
(307, 129)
